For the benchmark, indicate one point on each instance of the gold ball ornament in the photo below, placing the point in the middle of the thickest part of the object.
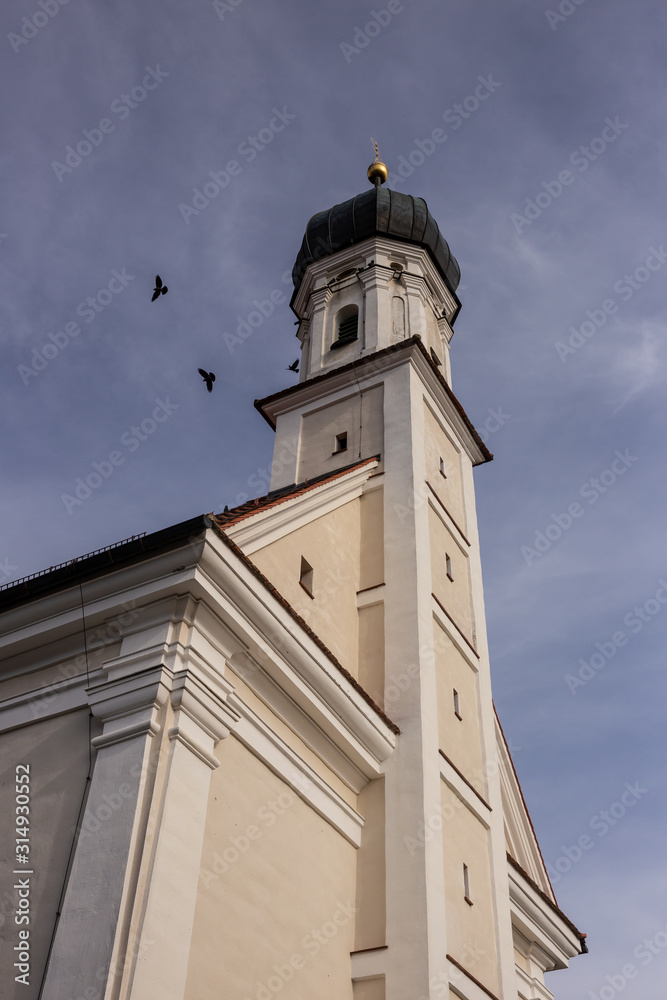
(377, 172)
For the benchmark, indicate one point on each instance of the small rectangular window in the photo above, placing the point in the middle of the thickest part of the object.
(443, 471)
(341, 443)
(457, 706)
(306, 577)
(448, 564)
(466, 885)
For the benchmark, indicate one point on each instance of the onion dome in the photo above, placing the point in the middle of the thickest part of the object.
(378, 212)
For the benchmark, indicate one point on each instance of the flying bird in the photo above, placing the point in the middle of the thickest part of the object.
(159, 289)
(294, 367)
(208, 377)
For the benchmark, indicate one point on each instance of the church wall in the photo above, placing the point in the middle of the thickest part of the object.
(471, 937)
(358, 416)
(433, 336)
(370, 989)
(280, 909)
(371, 569)
(331, 546)
(56, 751)
(453, 594)
(293, 741)
(438, 445)
(371, 651)
(370, 923)
(460, 739)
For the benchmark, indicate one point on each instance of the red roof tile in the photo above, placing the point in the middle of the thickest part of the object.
(554, 907)
(276, 497)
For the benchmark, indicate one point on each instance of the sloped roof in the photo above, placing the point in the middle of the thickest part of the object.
(416, 341)
(275, 497)
(525, 848)
(256, 571)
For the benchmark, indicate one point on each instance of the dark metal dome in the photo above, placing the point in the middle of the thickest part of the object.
(378, 211)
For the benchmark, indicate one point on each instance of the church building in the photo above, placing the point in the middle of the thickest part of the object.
(255, 754)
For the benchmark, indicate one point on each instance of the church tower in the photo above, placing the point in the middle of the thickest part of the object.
(264, 759)
(375, 296)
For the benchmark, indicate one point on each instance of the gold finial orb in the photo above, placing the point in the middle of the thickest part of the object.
(377, 173)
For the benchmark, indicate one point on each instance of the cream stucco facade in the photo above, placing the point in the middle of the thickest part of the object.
(263, 753)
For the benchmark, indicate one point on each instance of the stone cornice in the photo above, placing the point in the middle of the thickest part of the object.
(374, 246)
(369, 370)
(297, 664)
(540, 922)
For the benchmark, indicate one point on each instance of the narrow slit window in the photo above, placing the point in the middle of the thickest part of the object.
(457, 705)
(341, 443)
(443, 470)
(306, 577)
(448, 565)
(466, 885)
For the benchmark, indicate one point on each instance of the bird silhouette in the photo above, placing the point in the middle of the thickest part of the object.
(208, 377)
(294, 367)
(159, 289)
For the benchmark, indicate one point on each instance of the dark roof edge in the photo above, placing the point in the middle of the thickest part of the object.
(554, 907)
(523, 799)
(392, 349)
(133, 551)
(257, 573)
(292, 492)
(84, 567)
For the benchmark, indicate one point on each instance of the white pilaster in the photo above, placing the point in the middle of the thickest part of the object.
(112, 831)
(201, 719)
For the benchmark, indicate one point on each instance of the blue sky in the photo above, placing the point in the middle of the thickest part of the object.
(549, 187)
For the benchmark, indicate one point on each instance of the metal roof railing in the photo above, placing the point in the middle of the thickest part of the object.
(71, 562)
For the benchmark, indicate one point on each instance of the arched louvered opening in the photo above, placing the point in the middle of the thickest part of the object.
(346, 326)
